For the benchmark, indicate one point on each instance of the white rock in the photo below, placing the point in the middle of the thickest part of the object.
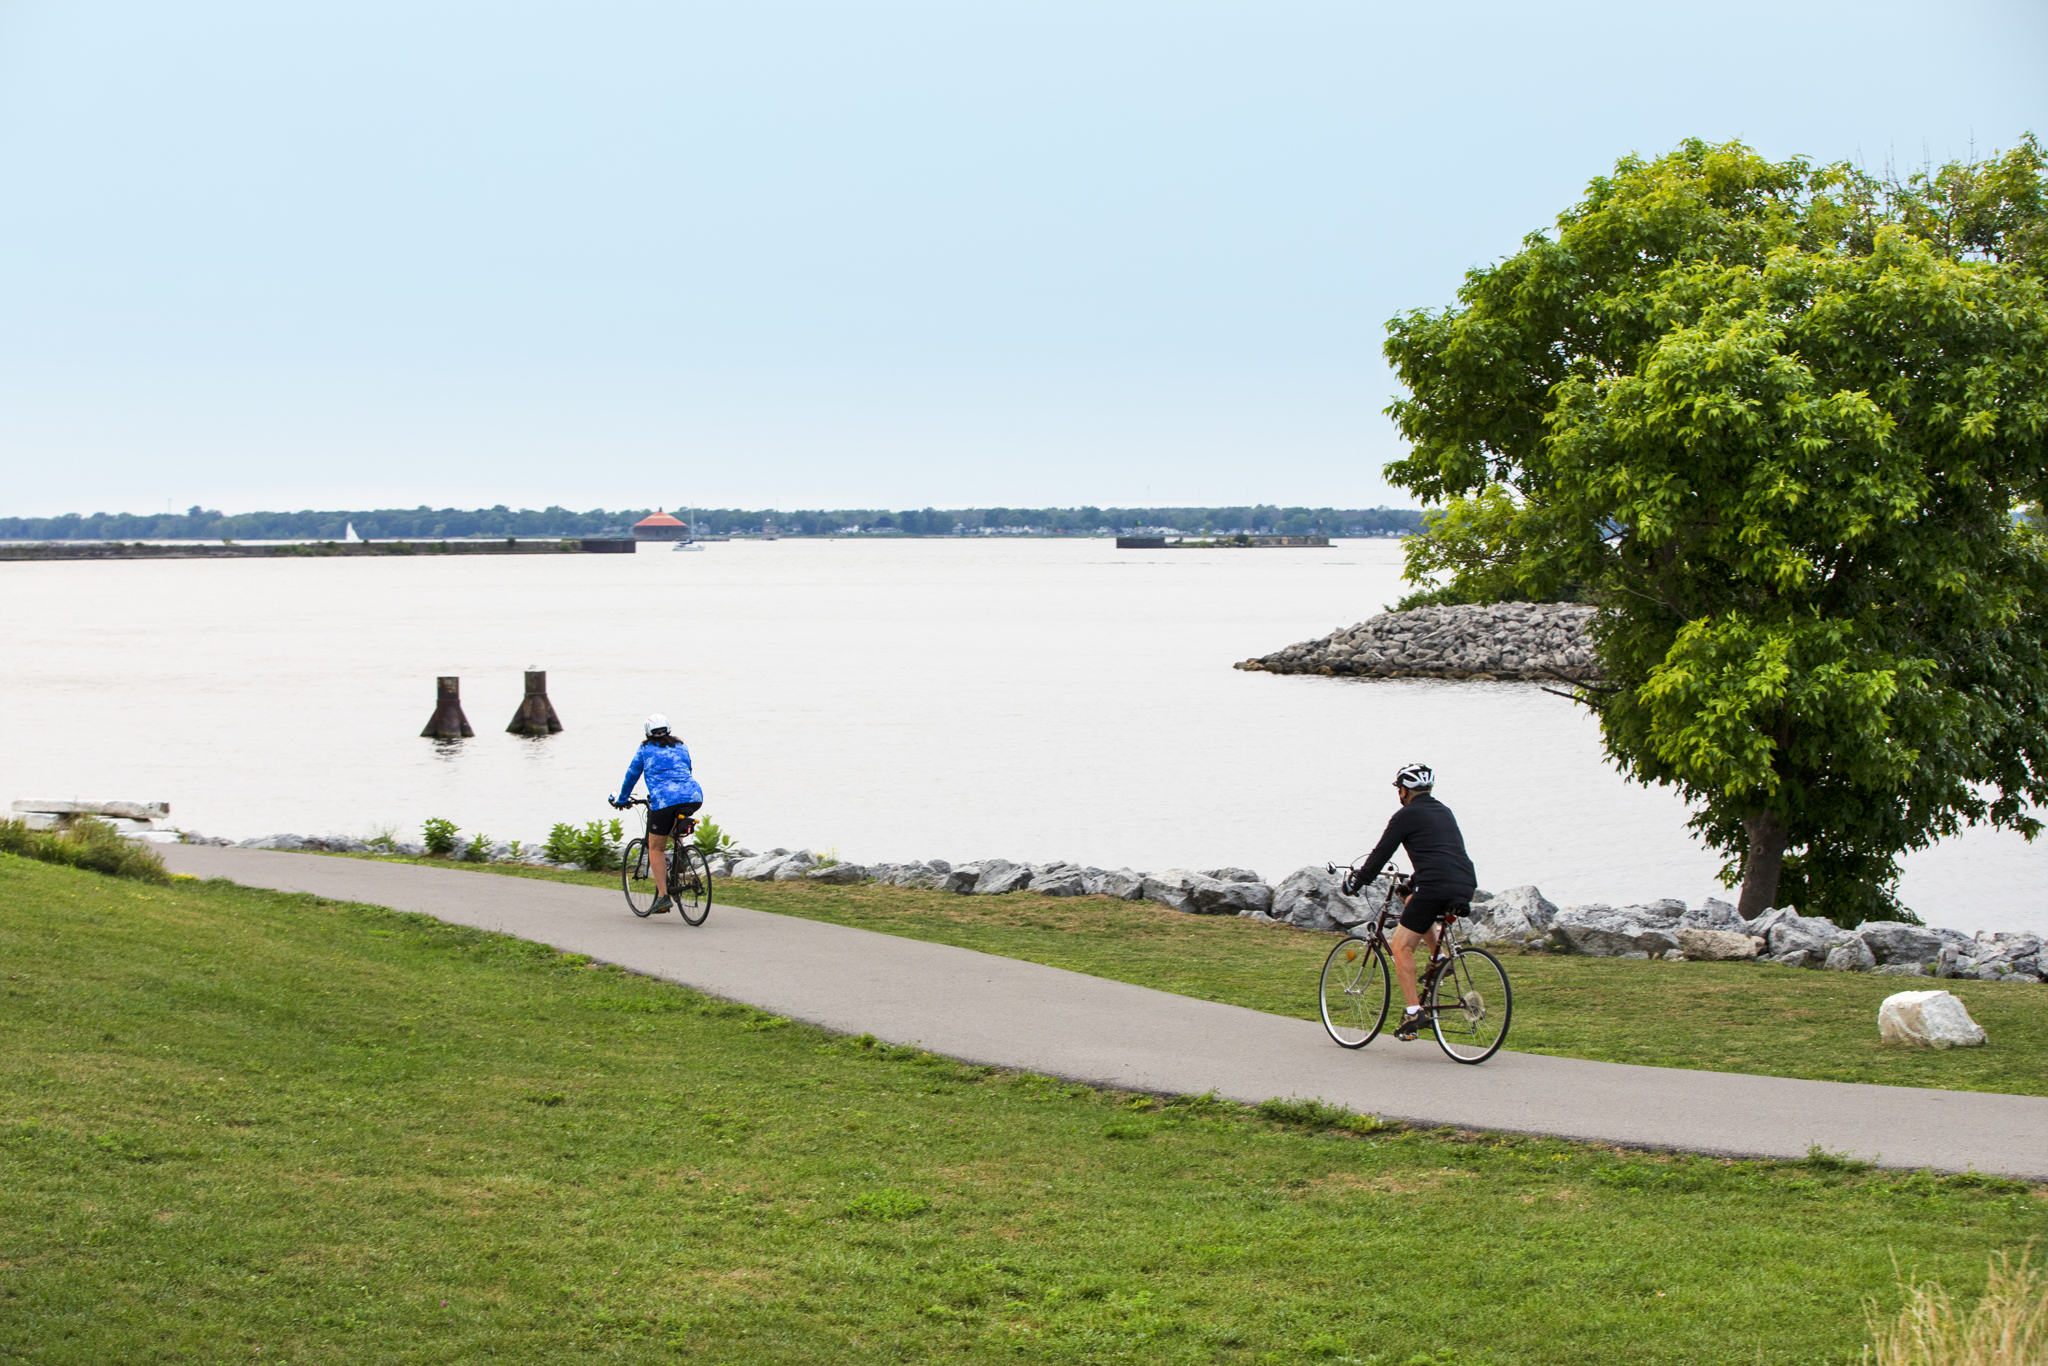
(1715, 946)
(1174, 888)
(1313, 899)
(1000, 876)
(1851, 955)
(1927, 1019)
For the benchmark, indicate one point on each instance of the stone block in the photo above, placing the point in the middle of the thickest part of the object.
(1927, 1019)
(1715, 946)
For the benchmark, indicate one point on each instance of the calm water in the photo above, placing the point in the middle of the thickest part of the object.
(1030, 699)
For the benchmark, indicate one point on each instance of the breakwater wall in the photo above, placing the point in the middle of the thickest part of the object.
(1506, 640)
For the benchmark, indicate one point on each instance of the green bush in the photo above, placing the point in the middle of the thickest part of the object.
(479, 850)
(440, 837)
(88, 843)
(595, 846)
(711, 837)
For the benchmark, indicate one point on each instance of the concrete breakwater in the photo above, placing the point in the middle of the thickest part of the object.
(1313, 898)
(1508, 640)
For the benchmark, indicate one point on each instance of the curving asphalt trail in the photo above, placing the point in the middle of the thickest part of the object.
(1006, 1013)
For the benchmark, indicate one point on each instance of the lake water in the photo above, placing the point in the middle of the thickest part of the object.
(1031, 699)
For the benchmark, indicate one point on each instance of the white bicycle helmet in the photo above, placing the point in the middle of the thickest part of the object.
(654, 724)
(1415, 778)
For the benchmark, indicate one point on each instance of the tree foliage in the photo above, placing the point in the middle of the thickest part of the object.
(1777, 421)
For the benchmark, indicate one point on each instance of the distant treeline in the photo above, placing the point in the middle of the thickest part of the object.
(424, 523)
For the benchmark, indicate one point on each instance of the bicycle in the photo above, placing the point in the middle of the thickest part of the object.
(1466, 1000)
(689, 873)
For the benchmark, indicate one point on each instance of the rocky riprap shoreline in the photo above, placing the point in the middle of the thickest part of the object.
(1313, 898)
(1510, 640)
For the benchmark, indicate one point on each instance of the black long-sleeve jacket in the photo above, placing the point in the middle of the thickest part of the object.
(1426, 828)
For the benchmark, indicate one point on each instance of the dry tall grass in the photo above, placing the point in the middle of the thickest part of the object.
(2008, 1327)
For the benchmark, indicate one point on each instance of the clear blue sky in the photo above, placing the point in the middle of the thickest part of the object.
(849, 254)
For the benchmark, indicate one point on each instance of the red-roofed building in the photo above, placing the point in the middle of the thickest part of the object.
(660, 527)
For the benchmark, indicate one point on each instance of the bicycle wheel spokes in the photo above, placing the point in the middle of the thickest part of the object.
(1354, 992)
(1472, 1006)
(690, 882)
(638, 881)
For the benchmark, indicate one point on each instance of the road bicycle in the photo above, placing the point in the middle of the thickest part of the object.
(1464, 989)
(689, 874)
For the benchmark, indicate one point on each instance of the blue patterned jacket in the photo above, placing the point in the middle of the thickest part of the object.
(667, 770)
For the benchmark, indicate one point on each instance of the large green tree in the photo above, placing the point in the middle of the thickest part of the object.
(1779, 422)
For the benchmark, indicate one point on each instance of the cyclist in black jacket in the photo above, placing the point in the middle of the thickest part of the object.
(1443, 878)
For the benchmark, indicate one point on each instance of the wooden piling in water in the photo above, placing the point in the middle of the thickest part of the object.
(448, 722)
(536, 715)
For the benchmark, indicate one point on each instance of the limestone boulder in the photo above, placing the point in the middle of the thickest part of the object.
(1069, 882)
(1312, 898)
(1714, 946)
(1232, 874)
(1607, 932)
(1515, 916)
(1927, 1019)
(274, 842)
(1217, 897)
(999, 877)
(962, 877)
(761, 867)
(1896, 944)
(837, 874)
(1175, 888)
(1851, 955)
(1810, 937)
(1122, 884)
(1712, 914)
(794, 866)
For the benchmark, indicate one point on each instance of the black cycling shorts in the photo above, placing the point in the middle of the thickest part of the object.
(663, 822)
(1420, 913)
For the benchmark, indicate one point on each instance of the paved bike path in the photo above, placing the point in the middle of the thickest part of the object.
(1007, 1013)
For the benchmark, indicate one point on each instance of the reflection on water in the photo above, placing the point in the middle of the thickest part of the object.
(1032, 699)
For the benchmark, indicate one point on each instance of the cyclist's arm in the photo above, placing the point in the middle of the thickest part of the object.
(633, 773)
(1397, 830)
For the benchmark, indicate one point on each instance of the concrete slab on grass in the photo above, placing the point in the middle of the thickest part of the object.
(1002, 1012)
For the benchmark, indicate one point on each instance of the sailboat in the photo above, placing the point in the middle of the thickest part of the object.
(689, 530)
(349, 536)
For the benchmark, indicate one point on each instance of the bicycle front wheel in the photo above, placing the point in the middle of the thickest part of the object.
(1471, 1006)
(637, 879)
(689, 882)
(1355, 992)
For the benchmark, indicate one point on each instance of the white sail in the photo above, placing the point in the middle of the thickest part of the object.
(349, 534)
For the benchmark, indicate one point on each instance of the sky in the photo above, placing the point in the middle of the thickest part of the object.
(805, 254)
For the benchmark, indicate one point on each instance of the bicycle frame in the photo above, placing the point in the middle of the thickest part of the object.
(1447, 940)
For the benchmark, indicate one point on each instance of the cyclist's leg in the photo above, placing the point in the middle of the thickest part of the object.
(1404, 942)
(657, 862)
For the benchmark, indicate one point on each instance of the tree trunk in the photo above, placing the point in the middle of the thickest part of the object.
(1760, 868)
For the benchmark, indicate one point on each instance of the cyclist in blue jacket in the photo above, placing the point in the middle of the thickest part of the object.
(672, 795)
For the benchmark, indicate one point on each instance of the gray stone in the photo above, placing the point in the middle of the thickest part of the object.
(1893, 943)
(759, 868)
(1124, 884)
(837, 874)
(1512, 917)
(1900, 970)
(1000, 877)
(1674, 955)
(795, 866)
(274, 842)
(1067, 883)
(1312, 898)
(961, 878)
(1712, 914)
(1851, 955)
(1217, 897)
(1813, 937)
(1174, 888)
(1604, 932)
(1232, 875)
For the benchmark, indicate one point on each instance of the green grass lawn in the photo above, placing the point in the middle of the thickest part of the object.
(248, 1126)
(1722, 1017)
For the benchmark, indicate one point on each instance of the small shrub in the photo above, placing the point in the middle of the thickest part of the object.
(2008, 1327)
(886, 1204)
(561, 843)
(596, 845)
(479, 850)
(439, 837)
(711, 838)
(384, 837)
(1317, 1114)
(514, 851)
(90, 844)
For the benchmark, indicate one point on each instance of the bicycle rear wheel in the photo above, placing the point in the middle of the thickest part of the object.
(1471, 1005)
(689, 882)
(637, 879)
(1354, 992)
